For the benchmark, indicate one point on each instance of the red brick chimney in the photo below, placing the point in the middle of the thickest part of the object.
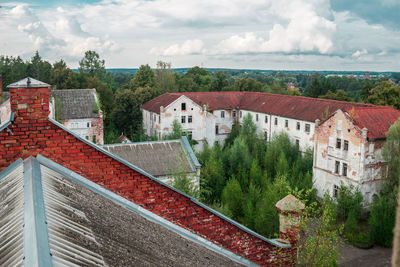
(29, 99)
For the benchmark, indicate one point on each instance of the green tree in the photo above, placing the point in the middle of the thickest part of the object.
(62, 77)
(391, 153)
(38, 68)
(144, 77)
(176, 132)
(92, 65)
(232, 198)
(338, 95)
(386, 94)
(220, 82)
(320, 242)
(165, 77)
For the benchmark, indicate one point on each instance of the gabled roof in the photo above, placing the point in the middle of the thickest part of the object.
(297, 107)
(52, 216)
(28, 82)
(159, 158)
(77, 103)
(377, 120)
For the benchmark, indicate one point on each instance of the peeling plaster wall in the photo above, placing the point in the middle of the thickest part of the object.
(5, 111)
(364, 163)
(87, 128)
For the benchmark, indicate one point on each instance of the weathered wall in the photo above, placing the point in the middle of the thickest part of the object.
(5, 111)
(33, 134)
(363, 161)
(87, 128)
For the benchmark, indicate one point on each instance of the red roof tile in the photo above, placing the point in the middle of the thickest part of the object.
(297, 107)
(376, 119)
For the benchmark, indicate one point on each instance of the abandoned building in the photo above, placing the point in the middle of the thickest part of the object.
(348, 150)
(163, 159)
(209, 116)
(76, 109)
(30, 135)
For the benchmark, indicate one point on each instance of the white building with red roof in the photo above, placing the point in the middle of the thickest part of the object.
(209, 116)
(348, 149)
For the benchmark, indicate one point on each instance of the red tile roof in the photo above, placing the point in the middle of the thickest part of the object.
(297, 107)
(376, 119)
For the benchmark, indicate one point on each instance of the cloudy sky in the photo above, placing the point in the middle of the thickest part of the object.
(258, 34)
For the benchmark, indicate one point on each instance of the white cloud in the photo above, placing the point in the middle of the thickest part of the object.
(308, 29)
(189, 47)
(359, 53)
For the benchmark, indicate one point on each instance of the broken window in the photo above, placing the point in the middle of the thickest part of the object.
(335, 191)
(222, 114)
(337, 167)
(338, 143)
(307, 128)
(344, 171)
(183, 119)
(190, 119)
(345, 145)
(183, 106)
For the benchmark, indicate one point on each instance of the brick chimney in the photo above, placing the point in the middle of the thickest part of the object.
(29, 99)
(290, 210)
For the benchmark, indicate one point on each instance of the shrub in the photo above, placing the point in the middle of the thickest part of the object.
(382, 219)
(349, 199)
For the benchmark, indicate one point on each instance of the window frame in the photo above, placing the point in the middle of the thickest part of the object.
(287, 123)
(190, 119)
(307, 128)
(222, 113)
(183, 119)
(345, 145)
(216, 129)
(276, 121)
(337, 167)
(344, 169)
(183, 106)
(298, 126)
(338, 143)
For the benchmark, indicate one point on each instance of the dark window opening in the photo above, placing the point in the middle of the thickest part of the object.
(190, 119)
(286, 123)
(276, 121)
(266, 119)
(216, 129)
(307, 128)
(335, 191)
(183, 106)
(298, 126)
(266, 135)
(234, 114)
(256, 117)
(338, 143)
(222, 114)
(94, 139)
(240, 114)
(344, 172)
(183, 119)
(345, 145)
(337, 167)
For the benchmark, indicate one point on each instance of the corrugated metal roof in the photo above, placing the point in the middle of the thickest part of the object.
(297, 107)
(87, 225)
(377, 120)
(28, 82)
(12, 216)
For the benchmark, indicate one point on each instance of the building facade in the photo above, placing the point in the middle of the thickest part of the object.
(348, 150)
(209, 116)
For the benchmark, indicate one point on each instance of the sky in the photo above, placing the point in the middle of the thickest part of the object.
(253, 34)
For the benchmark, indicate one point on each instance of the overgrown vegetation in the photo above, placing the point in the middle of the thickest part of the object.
(248, 176)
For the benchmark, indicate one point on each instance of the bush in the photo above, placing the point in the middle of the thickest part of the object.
(382, 219)
(349, 200)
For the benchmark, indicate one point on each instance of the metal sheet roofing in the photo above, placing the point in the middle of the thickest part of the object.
(377, 120)
(71, 221)
(297, 107)
(28, 82)
(159, 158)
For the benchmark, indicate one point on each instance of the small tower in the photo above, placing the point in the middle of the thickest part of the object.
(290, 210)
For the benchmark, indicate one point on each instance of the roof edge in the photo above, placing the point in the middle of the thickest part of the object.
(141, 211)
(126, 163)
(193, 159)
(7, 123)
(10, 168)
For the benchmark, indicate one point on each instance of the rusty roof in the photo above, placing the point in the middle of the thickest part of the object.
(377, 120)
(296, 107)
